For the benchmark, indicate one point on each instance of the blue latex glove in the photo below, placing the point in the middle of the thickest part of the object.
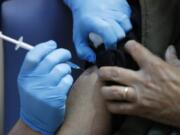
(44, 82)
(108, 18)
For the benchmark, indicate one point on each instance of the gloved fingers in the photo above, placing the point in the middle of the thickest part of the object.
(85, 52)
(120, 33)
(105, 30)
(57, 73)
(123, 20)
(34, 57)
(82, 47)
(51, 60)
(65, 84)
(126, 24)
(126, 7)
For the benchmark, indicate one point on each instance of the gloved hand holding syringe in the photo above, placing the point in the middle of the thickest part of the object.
(20, 44)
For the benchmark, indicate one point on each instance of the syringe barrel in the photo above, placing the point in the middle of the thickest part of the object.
(25, 46)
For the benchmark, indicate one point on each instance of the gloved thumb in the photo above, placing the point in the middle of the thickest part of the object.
(85, 52)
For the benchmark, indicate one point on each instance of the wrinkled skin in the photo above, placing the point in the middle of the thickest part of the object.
(153, 90)
(110, 19)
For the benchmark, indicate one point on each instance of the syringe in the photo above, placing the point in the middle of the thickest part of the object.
(20, 44)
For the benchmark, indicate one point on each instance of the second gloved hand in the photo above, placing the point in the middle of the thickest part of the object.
(108, 18)
(44, 82)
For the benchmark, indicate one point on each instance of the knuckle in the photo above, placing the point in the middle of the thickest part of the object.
(87, 18)
(114, 71)
(132, 94)
(114, 74)
(155, 65)
(116, 92)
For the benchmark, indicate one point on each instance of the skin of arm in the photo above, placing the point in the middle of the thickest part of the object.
(86, 112)
(21, 128)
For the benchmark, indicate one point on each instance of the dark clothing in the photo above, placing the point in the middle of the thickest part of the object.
(156, 26)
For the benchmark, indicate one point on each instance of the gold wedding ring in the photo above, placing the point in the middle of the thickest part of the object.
(125, 93)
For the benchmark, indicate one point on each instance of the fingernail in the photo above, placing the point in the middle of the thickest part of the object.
(172, 49)
(130, 43)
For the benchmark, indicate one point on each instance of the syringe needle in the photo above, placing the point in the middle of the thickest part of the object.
(20, 44)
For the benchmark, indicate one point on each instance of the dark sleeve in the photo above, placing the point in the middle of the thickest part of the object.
(118, 57)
